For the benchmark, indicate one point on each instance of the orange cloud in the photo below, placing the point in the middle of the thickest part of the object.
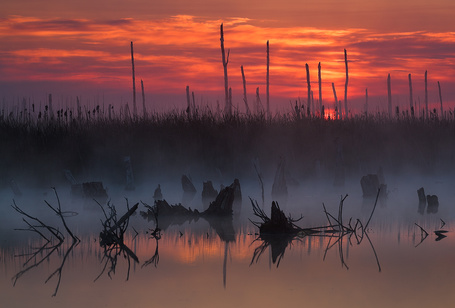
(173, 52)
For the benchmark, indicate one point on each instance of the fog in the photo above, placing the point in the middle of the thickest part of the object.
(304, 198)
(305, 163)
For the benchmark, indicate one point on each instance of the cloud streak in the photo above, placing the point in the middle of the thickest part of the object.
(171, 53)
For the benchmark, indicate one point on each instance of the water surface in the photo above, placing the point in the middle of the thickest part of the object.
(206, 264)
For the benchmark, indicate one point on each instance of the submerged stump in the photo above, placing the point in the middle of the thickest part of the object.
(422, 200)
(187, 185)
(94, 190)
(278, 222)
(433, 204)
(208, 193)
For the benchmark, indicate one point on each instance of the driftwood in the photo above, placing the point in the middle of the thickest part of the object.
(277, 223)
(279, 231)
(221, 206)
(440, 234)
(113, 229)
(53, 240)
(165, 214)
(218, 214)
(112, 239)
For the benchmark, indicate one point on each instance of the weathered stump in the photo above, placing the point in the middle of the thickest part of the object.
(279, 187)
(370, 185)
(222, 206)
(187, 185)
(189, 191)
(208, 193)
(17, 192)
(422, 200)
(89, 190)
(421, 194)
(237, 206)
(278, 222)
(433, 204)
(157, 195)
(129, 174)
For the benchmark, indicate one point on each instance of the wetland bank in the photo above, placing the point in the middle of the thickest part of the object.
(201, 262)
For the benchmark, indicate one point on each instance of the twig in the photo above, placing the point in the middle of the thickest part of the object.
(374, 251)
(59, 213)
(443, 223)
(59, 269)
(422, 237)
(374, 207)
(52, 230)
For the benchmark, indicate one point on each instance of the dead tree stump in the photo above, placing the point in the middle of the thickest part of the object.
(157, 195)
(279, 187)
(422, 200)
(370, 185)
(433, 204)
(187, 185)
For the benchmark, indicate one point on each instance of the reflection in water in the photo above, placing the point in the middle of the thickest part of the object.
(112, 239)
(205, 263)
(42, 254)
(278, 231)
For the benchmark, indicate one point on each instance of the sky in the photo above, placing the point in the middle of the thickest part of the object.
(82, 49)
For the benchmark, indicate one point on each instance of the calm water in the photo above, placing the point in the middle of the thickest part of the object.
(208, 264)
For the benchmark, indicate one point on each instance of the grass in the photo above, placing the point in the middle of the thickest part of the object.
(170, 144)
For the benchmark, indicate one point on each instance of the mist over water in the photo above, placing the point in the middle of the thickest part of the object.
(198, 261)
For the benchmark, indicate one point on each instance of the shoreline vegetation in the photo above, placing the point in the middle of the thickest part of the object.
(36, 148)
(100, 143)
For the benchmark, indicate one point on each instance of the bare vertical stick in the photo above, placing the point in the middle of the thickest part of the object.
(426, 95)
(144, 110)
(320, 87)
(312, 104)
(188, 101)
(440, 100)
(308, 85)
(245, 99)
(230, 96)
(258, 102)
(337, 111)
(389, 96)
(346, 85)
(194, 102)
(268, 80)
(51, 109)
(411, 99)
(79, 110)
(134, 82)
(225, 60)
(366, 102)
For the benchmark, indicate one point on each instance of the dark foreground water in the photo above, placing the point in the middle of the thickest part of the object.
(223, 264)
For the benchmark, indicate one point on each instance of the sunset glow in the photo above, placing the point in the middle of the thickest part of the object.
(89, 57)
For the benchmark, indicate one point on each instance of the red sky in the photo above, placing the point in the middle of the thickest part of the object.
(83, 49)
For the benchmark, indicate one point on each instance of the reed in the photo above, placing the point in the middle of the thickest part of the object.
(38, 149)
